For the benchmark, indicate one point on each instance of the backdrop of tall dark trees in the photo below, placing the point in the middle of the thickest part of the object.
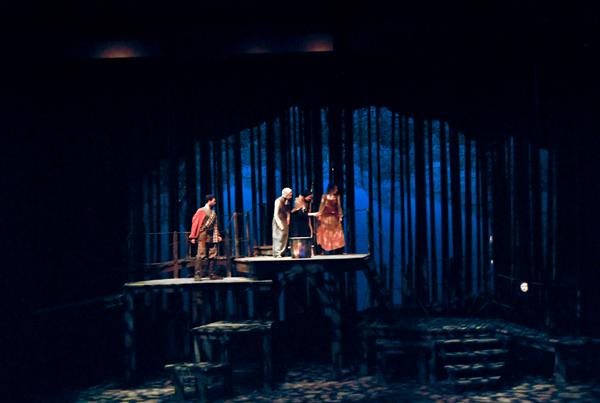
(517, 166)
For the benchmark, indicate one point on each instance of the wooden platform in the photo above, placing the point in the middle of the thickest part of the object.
(266, 266)
(191, 283)
(193, 302)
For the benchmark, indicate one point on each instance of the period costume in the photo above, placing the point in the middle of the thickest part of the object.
(300, 225)
(330, 233)
(281, 222)
(205, 230)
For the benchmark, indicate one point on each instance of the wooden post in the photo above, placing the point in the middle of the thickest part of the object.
(479, 234)
(284, 148)
(253, 190)
(401, 134)
(444, 216)
(485, 220)
(260, 200)
(382, 269)
(130, 364)
(433, 252)
(247, 227)
(176, 265)
(468, 220)
(266, 359)
(150, 200)
(390, 278)
(236, 234)
(409, 215)
(157, 210)
(186, 308)
(421, 291)
(457, 270)
(270, 174)
(370, 175)
(228, 254)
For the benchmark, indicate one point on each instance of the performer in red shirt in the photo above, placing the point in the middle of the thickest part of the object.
(205, 233)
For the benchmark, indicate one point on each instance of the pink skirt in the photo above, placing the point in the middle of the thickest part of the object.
(330, 233)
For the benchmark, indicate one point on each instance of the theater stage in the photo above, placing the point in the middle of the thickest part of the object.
(195, 303)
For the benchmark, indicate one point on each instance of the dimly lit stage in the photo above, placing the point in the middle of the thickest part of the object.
(530, 378)
(296, 303)
(272, 289)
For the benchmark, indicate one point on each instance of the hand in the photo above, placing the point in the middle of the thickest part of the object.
(193, 240)
(219, 239)
(280, 227)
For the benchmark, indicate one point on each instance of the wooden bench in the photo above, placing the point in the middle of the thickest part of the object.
(222, 332)
(193, 380)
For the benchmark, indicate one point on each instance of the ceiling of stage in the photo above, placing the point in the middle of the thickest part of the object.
(504, 66)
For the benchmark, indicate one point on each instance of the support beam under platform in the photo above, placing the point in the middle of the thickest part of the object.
(326, 275)
(199, 302)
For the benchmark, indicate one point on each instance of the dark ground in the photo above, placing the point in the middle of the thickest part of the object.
(313, 383)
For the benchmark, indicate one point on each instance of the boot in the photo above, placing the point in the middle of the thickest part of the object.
(198, 271)
(211, 272)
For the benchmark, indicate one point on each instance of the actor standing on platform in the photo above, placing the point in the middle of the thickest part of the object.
(330, 233)
(301, 224)
(281, 222)
(205, 233)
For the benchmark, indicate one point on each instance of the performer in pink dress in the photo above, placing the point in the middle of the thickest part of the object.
(330, 233)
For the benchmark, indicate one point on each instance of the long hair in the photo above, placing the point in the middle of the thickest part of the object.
(330, 187)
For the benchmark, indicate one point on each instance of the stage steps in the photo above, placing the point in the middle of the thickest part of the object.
(470, 359)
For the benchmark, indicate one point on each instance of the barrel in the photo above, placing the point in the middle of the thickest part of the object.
(301, 247)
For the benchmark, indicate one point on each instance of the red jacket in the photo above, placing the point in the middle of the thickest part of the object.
(197, 221)
(197, 230)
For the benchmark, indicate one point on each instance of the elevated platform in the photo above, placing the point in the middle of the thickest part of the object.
(188, 283)
(267, 266)
(176, 305)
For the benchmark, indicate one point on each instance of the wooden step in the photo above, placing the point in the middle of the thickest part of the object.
(468, 342)
(195, 367)
(474, 355)
(476, 382)
(463, 344)
(478, 367)
(223, 327)
(450, 329)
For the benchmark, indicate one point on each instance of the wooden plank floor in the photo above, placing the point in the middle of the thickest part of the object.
(318, 258)
(190, 282)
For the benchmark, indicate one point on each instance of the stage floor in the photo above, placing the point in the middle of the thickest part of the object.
(312, 382)
(267, 267)
(190, 282)
(318, 258)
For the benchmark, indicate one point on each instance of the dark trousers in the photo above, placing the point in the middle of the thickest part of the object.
(205, 257)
